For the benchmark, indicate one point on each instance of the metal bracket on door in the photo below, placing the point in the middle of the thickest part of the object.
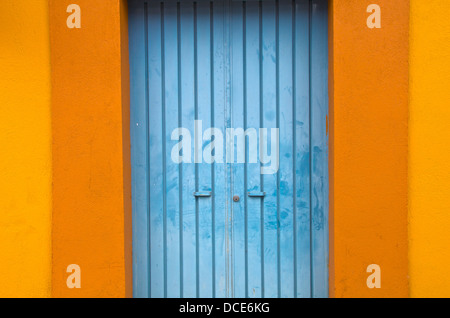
(256, 194)
(202, 194)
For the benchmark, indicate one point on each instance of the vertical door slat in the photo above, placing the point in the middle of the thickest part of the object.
(204, 168)
(171, 169)
(269, 92)
(188, 117)
(139, 149)
(155, 82)
(286, 170)
(302, 147)
(237, 138)
(220, 175)
(319, 147)
(252, 104)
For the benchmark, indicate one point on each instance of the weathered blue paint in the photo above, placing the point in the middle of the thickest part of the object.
(246, 64)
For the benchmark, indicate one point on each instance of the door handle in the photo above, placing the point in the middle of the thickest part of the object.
(202, 194)
(256, 194)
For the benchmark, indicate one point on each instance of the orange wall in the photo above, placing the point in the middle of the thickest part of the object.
(25, 150)
(91, 196)
(369, 144)
(429, 156)
(368, 149)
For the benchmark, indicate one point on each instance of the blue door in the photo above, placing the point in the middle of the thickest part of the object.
(229, 110)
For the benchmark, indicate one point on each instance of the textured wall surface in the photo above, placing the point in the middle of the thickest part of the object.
(429, 158)
(91, 198)
(25, 155)
(369, 149)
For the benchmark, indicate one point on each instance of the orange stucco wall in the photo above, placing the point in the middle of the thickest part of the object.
(91, 196)
(368, 149)
(429, 156)
(369, 144)
(25, 150)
